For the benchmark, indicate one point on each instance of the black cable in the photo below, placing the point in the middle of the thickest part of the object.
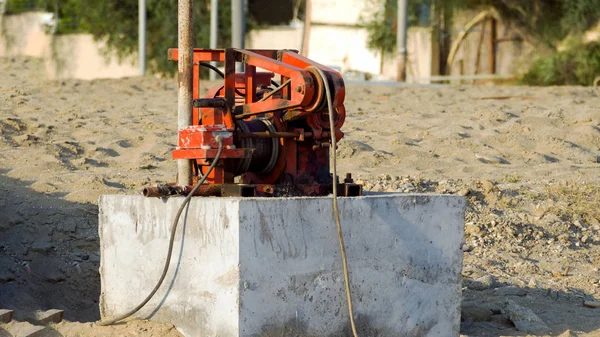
(171, 240)
(220, 73)
(213, 68)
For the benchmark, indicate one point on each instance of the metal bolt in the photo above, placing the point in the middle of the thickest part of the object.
(299, 88)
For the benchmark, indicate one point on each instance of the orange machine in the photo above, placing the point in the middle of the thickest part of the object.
(275, 135)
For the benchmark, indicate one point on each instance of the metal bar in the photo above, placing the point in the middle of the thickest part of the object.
(464, 77)
(214, 32)
(185, 71)
(218, 55)
(401, 33)
(250, 75)
(267, 134)
(230, 77)
(306, 31)
(237, 27)
(142, 36)
(258, 108)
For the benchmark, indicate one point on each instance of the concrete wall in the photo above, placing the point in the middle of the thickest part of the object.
(24, 35)
(346, 47)
(271, 266)
(79, 56)
(66, 56)
(346, 12)
(339, 40)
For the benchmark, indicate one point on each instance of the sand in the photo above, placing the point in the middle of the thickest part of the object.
(528, 160)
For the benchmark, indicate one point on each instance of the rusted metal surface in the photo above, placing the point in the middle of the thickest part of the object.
(251, 190)
(275, 136)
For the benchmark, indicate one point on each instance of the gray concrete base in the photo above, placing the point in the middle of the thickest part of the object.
(272, 267)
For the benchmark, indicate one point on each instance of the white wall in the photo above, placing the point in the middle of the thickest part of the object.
(346, 47)
(337, 11)
(66, 56)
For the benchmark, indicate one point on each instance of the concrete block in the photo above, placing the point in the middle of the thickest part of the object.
(272, 266)
(6, 315)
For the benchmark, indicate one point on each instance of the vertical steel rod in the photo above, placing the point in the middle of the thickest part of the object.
(238, 24)
(185, 68)
(214, 31)
(142, 36)
(306, 31)
(401, 34)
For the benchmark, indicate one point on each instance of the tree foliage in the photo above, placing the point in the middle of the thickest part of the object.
(381, 19)
(548, 22)
(116, 22)
(577, 65)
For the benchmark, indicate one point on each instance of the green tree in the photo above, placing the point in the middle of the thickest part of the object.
(381, 19)
(548, 22)
(116, 22)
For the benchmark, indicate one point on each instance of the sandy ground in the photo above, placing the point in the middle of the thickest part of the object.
(528, 160)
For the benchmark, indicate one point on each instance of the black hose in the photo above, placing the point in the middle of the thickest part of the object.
(220, 73)
(171, 241)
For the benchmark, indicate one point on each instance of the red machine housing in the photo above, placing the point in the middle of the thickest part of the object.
(276, 136)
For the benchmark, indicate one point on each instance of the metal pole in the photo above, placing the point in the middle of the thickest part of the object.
(238, 24)
(214, 31)
(401, 39)
(142, 36)
(306, 32)
(185, 68)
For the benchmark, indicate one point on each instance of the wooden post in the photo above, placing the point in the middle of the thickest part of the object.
(492, 46)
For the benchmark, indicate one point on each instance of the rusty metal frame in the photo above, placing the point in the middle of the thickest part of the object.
(295, 108)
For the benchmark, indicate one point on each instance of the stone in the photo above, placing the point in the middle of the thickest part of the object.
(42, 247)
(579, 224)
(488, 186)
(591, 304)
(55, 276)
(568, 333)
(262, 266)
(510, 291)
(463, 192)
(524, 319)
(475, 313)
(500, 322)
(6, 315)
(482, 283)
(6, 276)
(533, 283)
(466, 248)
(473, 229)
(48, 316)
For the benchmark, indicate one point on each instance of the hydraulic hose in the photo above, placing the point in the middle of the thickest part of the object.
(187, 199)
